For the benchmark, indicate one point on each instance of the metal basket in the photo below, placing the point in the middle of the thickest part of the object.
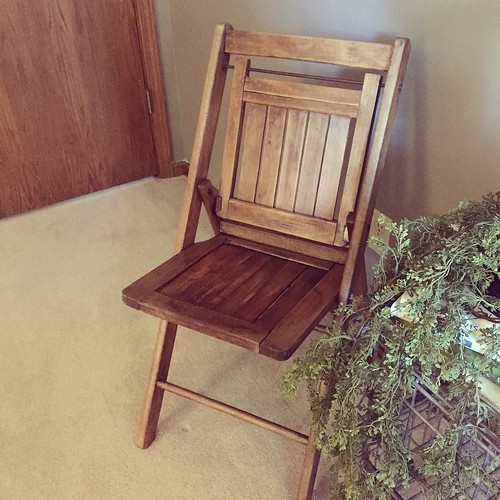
(425, 415)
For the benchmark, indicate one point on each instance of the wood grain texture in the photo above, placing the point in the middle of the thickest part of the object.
(209, 195)
(285, 242)
(215, 324)
(258, 279)
(305, 48)
(277, 282)
(262, 284)
(301, 104)
(233, 133)
(293, 328)
(235, 277)
(252, 151)
(304, 91)
(203, 274)
(271, 156)
(204, 138)
(331, 168)
(73, 116)
(358, 151)
(151, 59)
(160, 366)
(156, 278)
(312, 158)
(235, 412)
(375, 159)
(293, 146)
(281, 252)
(228, 289)
(303, 226)
(294, 293)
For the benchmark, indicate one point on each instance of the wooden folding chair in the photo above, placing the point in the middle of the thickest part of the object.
(299, 172)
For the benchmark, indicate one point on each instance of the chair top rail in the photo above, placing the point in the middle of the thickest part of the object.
(369, 55)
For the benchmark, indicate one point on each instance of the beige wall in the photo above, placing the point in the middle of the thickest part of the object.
(446, 142)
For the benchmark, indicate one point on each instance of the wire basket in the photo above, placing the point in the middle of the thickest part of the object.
(424, 416)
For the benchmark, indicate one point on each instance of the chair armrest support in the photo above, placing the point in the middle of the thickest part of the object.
(209, 194)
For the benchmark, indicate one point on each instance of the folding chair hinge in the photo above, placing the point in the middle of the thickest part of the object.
(218, 203)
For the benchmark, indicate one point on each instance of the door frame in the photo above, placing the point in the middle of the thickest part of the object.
(155, 89)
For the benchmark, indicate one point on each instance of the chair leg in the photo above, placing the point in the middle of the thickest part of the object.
(309, 468)
(311, 459)
(359, 283)
(154, 395)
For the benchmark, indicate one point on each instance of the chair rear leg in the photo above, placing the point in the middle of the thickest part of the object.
(311, 458)
(154, 395)
(309, 468)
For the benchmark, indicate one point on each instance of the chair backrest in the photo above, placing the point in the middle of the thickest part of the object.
(301, 159)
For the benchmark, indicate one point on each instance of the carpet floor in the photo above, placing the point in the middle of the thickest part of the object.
(74, 361)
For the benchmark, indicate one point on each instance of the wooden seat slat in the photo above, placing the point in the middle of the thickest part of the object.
(269, 291)
(288, 300)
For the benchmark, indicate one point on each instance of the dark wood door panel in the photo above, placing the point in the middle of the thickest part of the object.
(74, 115)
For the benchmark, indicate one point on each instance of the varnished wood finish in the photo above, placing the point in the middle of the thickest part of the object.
(204, 138)
(332, 166)
(284, 338)
(270, 160)
(312, 159)
(358, 151)
(286, 242)
(250, 160)
(74, 113)
(295, 224)
(233, 132)
(180, 168)
(307, 92)
(375, 160)
(280, 262)
(235, 412)
(241, 293)
(148, 38)
(135, 292)
(281, 252)
(305, 48)
(154, 395)
(311, 460)
(209, 195)
(294, 158)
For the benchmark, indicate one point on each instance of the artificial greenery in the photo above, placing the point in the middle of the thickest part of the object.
(450, 268)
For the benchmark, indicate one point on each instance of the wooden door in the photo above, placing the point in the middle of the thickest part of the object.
(74, 110)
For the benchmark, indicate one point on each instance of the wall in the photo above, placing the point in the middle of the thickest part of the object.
(446, 141)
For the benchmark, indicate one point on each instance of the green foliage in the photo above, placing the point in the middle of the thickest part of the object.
(448, 265)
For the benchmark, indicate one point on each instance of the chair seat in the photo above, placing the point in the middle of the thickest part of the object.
(263, 299)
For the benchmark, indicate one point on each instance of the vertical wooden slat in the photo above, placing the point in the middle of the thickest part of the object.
(311, 163)
(358, 150)
(204, 139)
(331, 169)
(233, 133)
(292, 154)
(271, 156)
(252, 149)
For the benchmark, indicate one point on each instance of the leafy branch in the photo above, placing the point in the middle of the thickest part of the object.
(449, 266)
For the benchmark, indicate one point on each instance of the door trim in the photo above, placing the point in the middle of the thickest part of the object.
(153, 77)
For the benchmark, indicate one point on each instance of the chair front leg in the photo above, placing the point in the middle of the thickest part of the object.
(154, 395)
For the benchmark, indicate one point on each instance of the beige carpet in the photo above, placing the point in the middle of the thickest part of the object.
(74, 362)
